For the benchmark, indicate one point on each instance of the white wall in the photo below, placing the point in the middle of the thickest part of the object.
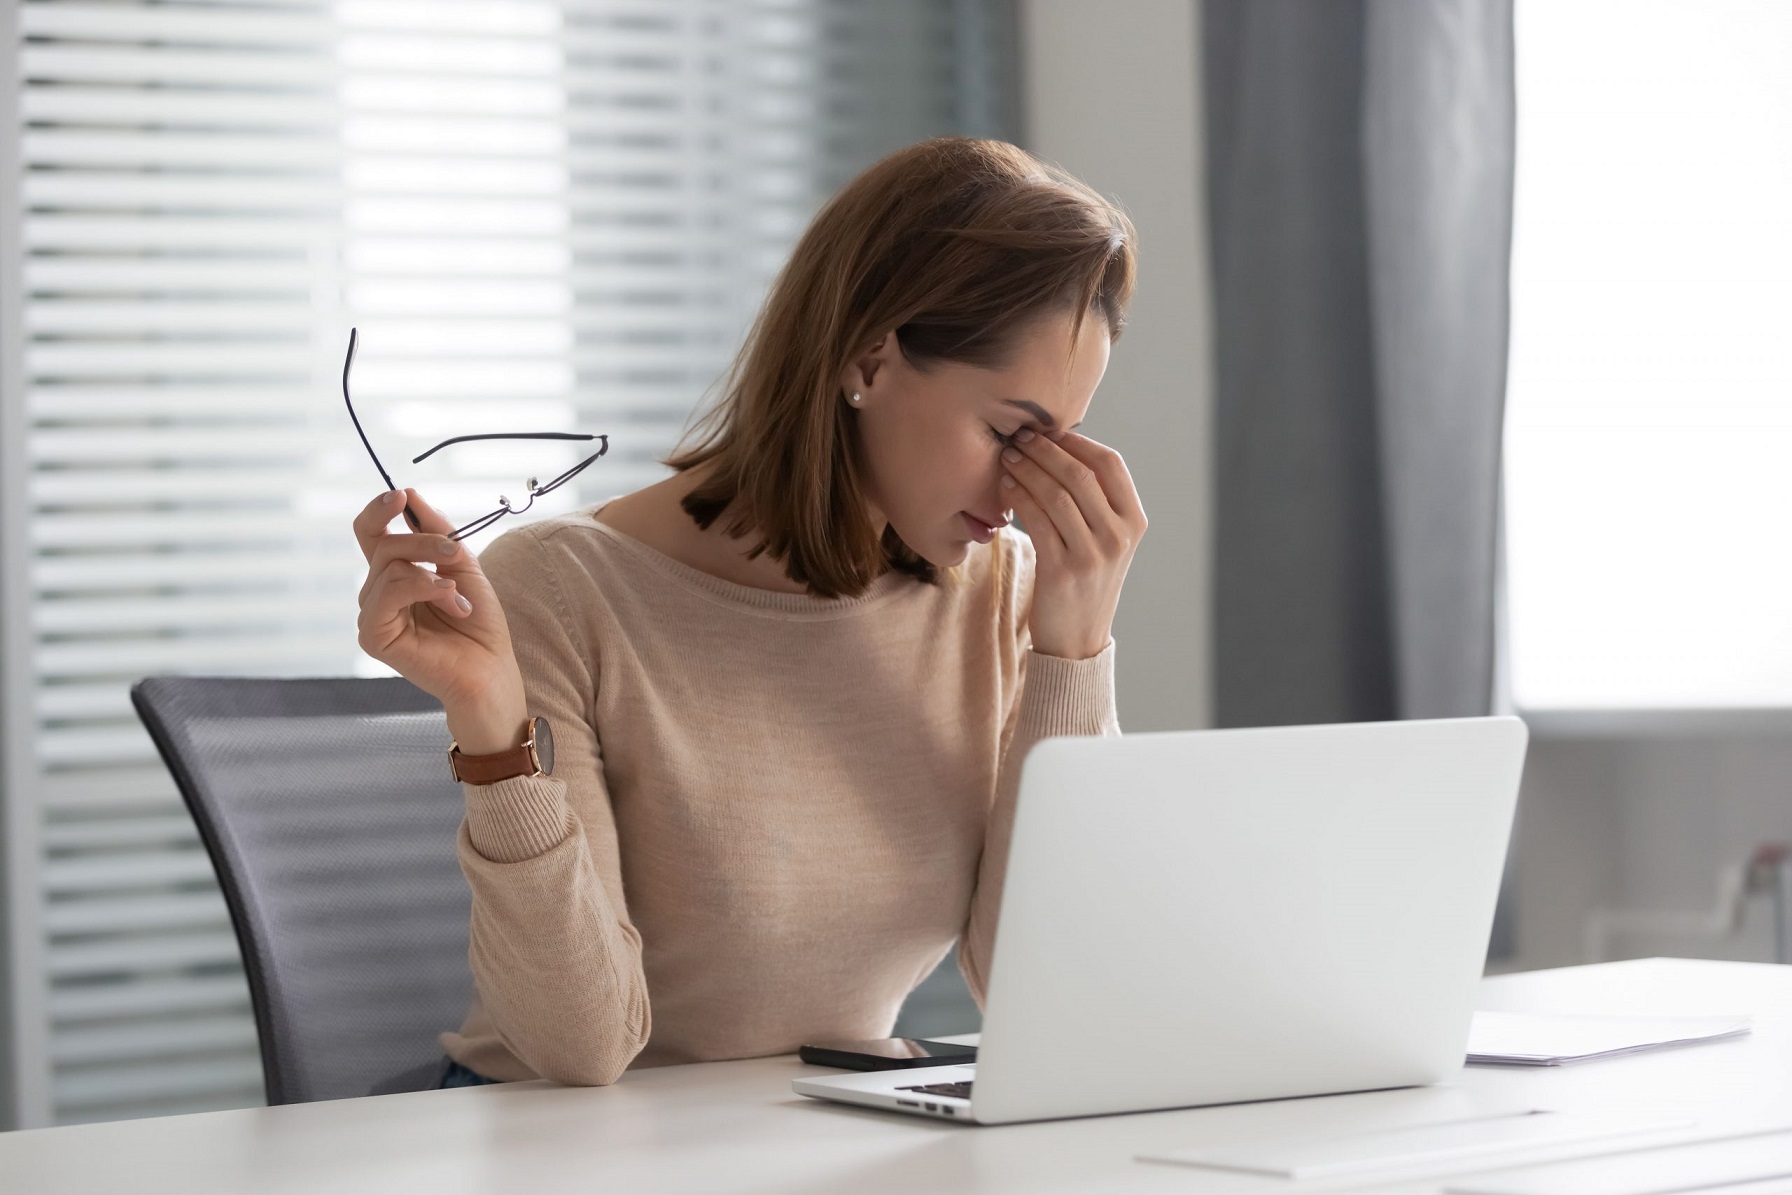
(1111, 94)
(1639, 822)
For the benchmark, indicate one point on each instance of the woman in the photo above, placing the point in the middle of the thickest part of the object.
(791, 686)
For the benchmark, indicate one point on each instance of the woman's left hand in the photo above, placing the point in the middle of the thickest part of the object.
(1079, 505)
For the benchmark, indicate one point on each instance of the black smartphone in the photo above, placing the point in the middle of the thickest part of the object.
(887, 1053)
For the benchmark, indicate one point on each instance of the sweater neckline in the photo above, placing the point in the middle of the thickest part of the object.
(748, 597)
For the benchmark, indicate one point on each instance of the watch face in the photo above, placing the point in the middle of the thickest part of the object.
(544, 745)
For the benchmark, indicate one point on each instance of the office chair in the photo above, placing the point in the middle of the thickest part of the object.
(330, 816)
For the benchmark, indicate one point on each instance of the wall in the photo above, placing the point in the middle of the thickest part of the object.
(1623, 832)
(1115, 101)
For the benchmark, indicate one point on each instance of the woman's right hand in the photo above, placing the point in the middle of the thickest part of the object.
(442, 631)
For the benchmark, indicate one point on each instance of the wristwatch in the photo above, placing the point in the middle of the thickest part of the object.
(534, 758)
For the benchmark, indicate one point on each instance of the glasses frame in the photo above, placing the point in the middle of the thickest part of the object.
(505, 507)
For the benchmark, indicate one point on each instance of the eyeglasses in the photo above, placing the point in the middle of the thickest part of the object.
(536, 488)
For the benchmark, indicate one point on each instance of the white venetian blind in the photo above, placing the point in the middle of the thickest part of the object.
(542, 216)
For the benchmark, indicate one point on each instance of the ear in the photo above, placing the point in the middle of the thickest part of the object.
(865, 371)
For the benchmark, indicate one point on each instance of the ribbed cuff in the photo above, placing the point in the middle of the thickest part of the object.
(1068, 697)
(518, 818)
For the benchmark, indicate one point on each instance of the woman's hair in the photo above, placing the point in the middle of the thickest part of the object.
(956, 245)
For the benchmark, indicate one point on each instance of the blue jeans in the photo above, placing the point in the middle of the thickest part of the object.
(456, 1075)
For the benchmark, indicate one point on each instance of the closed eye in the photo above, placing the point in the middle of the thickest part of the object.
(1001, 439)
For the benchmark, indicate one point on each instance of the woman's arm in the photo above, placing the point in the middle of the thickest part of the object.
(555, 960)
(1057, 697)
(1084, 519)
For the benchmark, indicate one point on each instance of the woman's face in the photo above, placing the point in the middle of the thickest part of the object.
(933, 438)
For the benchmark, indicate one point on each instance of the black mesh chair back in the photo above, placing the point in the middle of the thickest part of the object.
(330, 816)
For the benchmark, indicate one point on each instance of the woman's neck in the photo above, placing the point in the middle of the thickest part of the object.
(656, 516)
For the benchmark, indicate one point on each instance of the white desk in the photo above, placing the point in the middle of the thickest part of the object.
(736, 1126)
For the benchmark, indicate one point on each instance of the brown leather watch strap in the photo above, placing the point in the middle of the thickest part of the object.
(504, 765)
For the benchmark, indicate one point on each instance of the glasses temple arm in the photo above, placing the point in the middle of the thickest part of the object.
(507, 436)
(348, 364)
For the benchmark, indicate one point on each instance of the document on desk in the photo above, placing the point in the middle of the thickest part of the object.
(1758, 1164)
(1521, 1039)
(1451, 1141)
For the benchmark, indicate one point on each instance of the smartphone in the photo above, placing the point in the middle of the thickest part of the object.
(888, 1053)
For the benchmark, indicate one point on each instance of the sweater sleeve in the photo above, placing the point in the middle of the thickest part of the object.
(1054, 697)
(555, 960)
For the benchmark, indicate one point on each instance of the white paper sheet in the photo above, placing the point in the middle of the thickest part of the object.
(1519, 1039)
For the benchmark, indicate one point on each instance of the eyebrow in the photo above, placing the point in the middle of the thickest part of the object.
(1042, 416)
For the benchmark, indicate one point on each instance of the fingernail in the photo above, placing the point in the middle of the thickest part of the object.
(444, 583)
(449, 547)
(1007, 482)
(1010, 454)
(466, 607)
(1024, 434)
(390, 496)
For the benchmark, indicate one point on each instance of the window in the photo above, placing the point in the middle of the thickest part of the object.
(1649, 436)
(541, 215)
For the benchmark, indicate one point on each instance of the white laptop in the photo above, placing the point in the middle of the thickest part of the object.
(1203, 917)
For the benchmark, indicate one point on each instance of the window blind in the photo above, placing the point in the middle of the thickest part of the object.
(542, 217)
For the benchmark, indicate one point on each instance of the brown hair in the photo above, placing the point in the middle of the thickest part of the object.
(956, 245)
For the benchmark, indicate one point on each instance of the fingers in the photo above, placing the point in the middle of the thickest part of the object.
(1042, 502)
(429, 519)
(431, 544)
(390, 594)
(438, 550)
(456, 558)
(371, 523)
(1074, 481)
(1040, 529)
(1066, 489)
(1068, 471)
(1110, 470)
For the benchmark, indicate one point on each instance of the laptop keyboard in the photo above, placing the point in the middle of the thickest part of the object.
(961, 1090)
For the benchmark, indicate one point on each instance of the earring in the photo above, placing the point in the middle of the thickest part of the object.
(857, 400)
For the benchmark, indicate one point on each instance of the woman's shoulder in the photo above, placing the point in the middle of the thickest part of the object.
(650, 516)
(560, 560)
(526, 546)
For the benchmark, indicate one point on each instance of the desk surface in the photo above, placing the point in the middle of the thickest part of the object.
(736, 1126)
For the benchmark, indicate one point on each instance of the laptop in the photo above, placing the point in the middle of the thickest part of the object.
(1205, 917)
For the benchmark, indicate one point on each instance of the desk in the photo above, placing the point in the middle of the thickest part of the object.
(736, 1126)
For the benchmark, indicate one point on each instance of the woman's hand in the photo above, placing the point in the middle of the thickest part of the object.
(443, 631)
(1078, 504)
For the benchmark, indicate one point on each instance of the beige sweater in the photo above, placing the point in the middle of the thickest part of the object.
(770, 815)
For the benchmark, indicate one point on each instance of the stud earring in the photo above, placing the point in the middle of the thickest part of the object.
(857, 400)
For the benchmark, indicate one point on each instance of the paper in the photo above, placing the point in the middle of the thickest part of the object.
(1521, 1039)
(1420, 1145)
(1751, 1165)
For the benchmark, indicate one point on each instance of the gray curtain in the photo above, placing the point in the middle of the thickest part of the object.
(1360, 194)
